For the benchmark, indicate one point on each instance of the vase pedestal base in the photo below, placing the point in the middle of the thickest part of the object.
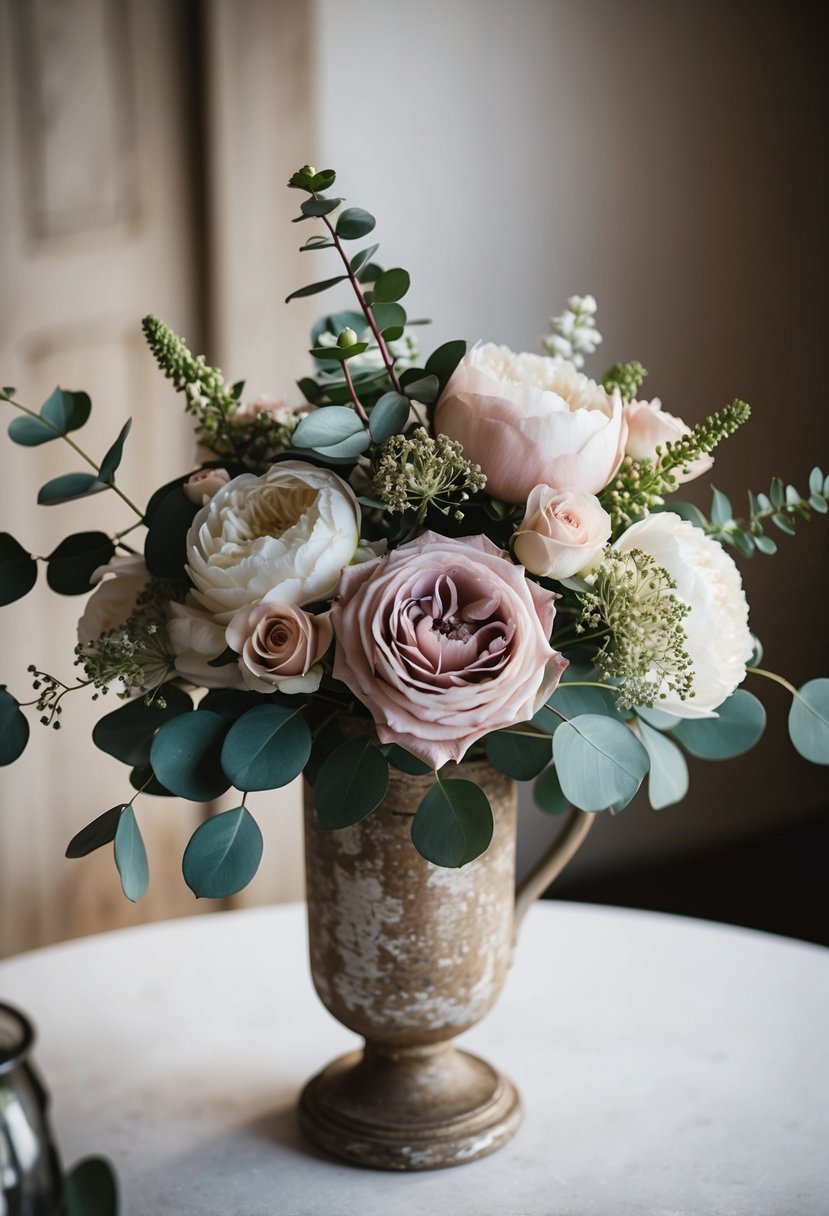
(409, 1108)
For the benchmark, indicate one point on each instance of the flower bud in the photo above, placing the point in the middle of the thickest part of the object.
(347, 338)
(309, 170)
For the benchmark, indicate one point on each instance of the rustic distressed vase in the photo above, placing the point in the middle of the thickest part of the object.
(409, 955)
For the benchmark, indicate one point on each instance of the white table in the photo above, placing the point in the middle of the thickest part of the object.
(668, 1067)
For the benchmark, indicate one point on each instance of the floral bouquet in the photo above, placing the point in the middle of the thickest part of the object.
(473, 555)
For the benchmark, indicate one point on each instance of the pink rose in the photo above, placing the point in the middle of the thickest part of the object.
(202, 485)
(561, 534)
(529, 419)
(280, 646)
(444, 641)
(650, 427)
(275, 407)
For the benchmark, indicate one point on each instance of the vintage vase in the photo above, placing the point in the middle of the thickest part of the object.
(409, 955)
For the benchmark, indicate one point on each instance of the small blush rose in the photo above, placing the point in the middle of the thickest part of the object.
(529, 419)
(200, 486)
(444, 640)
(280, 646)
(649, 427)
(561, 534)
(275, 407)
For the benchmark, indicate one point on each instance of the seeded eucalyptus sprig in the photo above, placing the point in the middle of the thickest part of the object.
(782, 506)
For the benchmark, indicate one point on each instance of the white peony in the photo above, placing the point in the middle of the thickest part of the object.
(719, 643)
(650, 427)
(290, 532)
(114, 598)
(196, 639)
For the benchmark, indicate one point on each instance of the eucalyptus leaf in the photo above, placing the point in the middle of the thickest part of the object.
(809, 721)
(71, 565)
(668, 774)
(63, 411)
(600, 762)
(721, 510)
(18, 569)
(570, 702)
(425, 390)
(143, 779)
(548, 794)
(165, 546)
(766, 545)
(389, 416)
(99, 832)
(91, 1189)
(389, 316)
(315, 288)
(327, 427)
(185, 756)
(399, 758)
(657, 718)
(112, 459)
(127, 732)
(68, 487)
(453, 823)
(350, 783)
(445, 359)
(354, 223)
(359, 260)
(391, 285)
(322, 180)
(739, 724)
(131, 856)
(14, 728)
(319, 206)
(266, 748)
(223, 854)
(521, 757)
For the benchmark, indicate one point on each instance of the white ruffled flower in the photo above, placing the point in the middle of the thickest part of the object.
(114, 598)
(574, 333)
(719, 642)
(196, 638)
(288, 533)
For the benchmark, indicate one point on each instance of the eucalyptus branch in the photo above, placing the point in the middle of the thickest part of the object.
(361, 413)
(781, 506)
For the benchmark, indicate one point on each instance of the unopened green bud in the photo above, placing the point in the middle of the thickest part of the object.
(347, 338)
(309, 170)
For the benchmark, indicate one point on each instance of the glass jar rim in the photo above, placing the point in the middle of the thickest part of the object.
(12, 1053)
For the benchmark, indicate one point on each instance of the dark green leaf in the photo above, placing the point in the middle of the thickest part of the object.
(570, 703)
(14, 729)
(100, 831)
(389, 316)
(721, 510)
(338, 354)
(143, 779)
(350, 783)
(230, 703)
(600, 762)
(548, 794)
(359, 260)
(316, 242)
(354, 223)
(112, 459)
(131, 856)
(453, 824)
(389, 416)
(326, 427)
(783, 523)
(266, 748)
(91, 1189)
(809, 721)
(68, 487)
(777, 492)
(72, 564)
(320, 206)
(309, 389)
(740, 722)
(127, 732)
(185, 756)
(520, 756)
(425, 390)
(372, 271)
(223, 854)
(18, 570)
(445, 359)
(405, 761)
(165, 547)
(392, 285)
(743, 541)
(314, 288)
(62, 412)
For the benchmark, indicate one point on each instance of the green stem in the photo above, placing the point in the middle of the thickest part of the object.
(361, 413)
(61, 435)
(771, 675)
(579, 638)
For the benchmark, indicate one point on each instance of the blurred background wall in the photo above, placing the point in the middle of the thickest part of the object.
(669, 159)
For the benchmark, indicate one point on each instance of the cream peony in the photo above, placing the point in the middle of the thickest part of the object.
(280, 646)
(444, 641)
(289, 532)
(529, 420)
(719, 643)
(649, 427)
(195, 639)
(114, 598)
(561, 534)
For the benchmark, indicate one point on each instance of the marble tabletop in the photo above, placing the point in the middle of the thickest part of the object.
(669, 1067)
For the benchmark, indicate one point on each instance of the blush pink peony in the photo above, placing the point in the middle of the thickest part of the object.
(649, 427)
(444, 641)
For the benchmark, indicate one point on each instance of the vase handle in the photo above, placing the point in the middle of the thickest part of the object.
(561, 851)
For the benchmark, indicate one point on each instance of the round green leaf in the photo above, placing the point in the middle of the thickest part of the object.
(91, 1189)
(740, 722)
(72, 564)
(809, 721)
(600, 762)
(389, 416)
(389, 316)
(143, 779)
(18, 570)
(668, 775)
(445, 359)
(425, 390)
(185, 756)
(266, 748)
(453, 824)
(168, 521)
(223, 854)
(60, 413)
(68, 487)
(405, 761)
(657, 718)
(229, 703)
(548, 794)
(14, 729)
(127, 732)
(350, 783)
(131, 856)
(354, 223)
(570, 703)
(519, 756)
(326, 427)
(100, 831)
(392, 285)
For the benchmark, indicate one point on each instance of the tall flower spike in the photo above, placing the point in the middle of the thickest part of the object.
(574, 333)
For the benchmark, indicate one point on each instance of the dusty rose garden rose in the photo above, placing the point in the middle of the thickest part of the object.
(444, 640)
(530, 419)
(561, 534)
(200, 486)
(280, 646)
(649, 427)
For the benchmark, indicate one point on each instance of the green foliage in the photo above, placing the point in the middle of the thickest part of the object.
(519, 756)
(266, 748)
(334, 430)
(809, 721)
(185, 756)
(18, 570)
(14, 728)
(782, 506)
(72, 564)
(350, 783)
(739, 724)
(62, 412)
(354, 223)
(548, 794)
(399, 758)
(626, 377)
(425, 389)
(453, 824)
(570, 702)
(99, 832)
(223, 854)
(127, 733)
(69, 487)
(131, 856)
(391, 285)
(168, 517)
(445, 359)
(600, 762)
(314, 289)
(389, 416)
(91, 1189)
(668, 773)
(112, 458)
